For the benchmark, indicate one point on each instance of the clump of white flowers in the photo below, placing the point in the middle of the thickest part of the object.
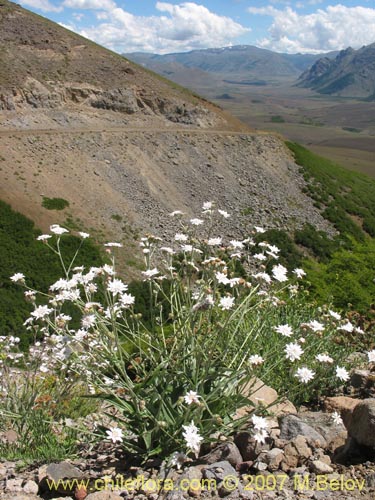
(211, 328)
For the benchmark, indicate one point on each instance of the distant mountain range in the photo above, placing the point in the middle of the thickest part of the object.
(350, 74)
(241, 63)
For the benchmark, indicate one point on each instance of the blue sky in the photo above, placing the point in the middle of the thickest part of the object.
(292, 26)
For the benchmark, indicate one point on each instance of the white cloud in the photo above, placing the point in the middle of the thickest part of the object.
(333, 28)
(89, 4)
(186, 26)
(43, 5)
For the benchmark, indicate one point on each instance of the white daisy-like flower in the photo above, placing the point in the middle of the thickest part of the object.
(88, 321)
(348, 327)
(260, 256)
(181, 237)
(56, 229)
(324, 358)
(279, 272)
(44, 237)
(191, 397)
(41, 312)
(342, 374)
(224, 214)
(207, 205)
(237, 244)
(127, 300)
(371, 356)
(260, 426)
(178, 459)
(187, 248)
(334, 314)
(214, 241)
(293, 351)
(260, 436)
(196, 222)
(259, 229)
(263, 276)
(192, 437)
(336, 417)
(116, 287)
(259, 423)
(115, 434)
(222, 278)
(17, 277)
(113, 244)
(255, 359)
(167, 250)
(304, 374)
(315, 326)
(300, 273)
(285, 330)
(150, 273)
(226, 303)
(84, 235)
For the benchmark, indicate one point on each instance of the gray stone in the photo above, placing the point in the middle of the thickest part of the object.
(292, 426)
(13, 485)
(224, 452)
(104, 495)
(361, 426)
(249, 447)
(31, 488)
(194, 476)
(273, 458)
(320, 467)
(58, 472)
(219, 471)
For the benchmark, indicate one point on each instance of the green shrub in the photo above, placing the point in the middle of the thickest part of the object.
(54, 203)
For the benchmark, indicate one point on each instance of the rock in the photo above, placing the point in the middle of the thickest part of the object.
(10, 436)
(56, 473)
(343, 405)
(31, 488)
(194, 476)
(291, 426)
(320, 467)
(104, 495)
(272, 458)
(361, 426)
(227, 451)
(300, 444)
(249, 447)
(296, 453)
(13, 485)
(80, 493)
(25, 496)
(219, 471)
(359, 379)
(3, 471)
(263, 395)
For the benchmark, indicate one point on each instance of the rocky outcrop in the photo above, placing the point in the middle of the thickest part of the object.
(128, 100)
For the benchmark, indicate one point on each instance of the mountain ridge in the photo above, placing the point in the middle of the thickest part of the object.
(350, 74)
(239, 60)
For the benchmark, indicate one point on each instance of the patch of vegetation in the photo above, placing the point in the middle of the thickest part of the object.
(352, 129)
(19, 250)
(116, 217)
(224, 96)
(54, 203)
(342, 192)
(343, 271)
(277, 119)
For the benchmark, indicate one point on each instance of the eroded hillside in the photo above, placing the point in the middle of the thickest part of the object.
(125, 147)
